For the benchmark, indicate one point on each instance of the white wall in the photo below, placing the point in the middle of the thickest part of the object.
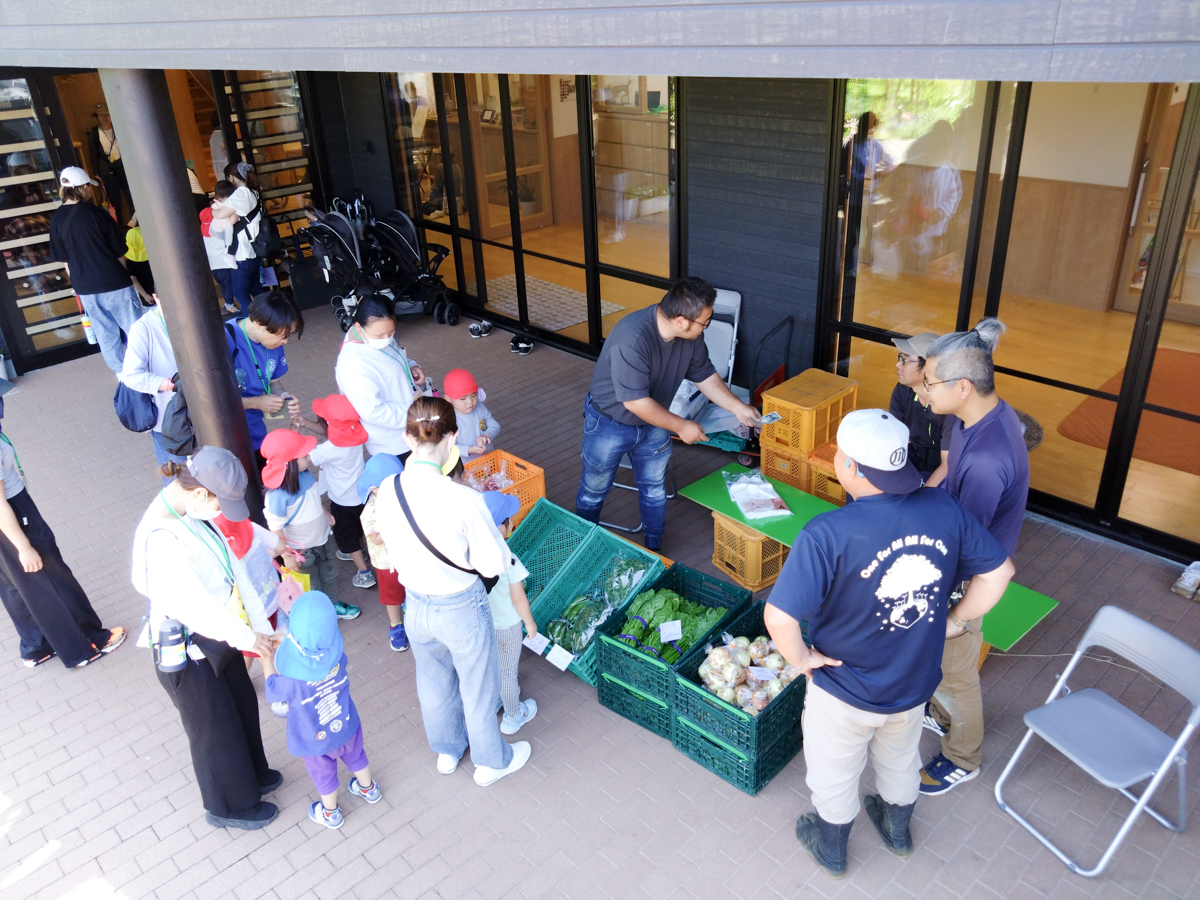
(1083, 132)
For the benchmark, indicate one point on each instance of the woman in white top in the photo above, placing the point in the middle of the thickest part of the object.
(49, 609)
(245, 203)
(449, 620)
(187, 571)
(377, 377)
(149, 367)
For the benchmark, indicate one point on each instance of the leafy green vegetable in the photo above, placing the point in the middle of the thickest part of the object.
(624, 576)
(652, 608)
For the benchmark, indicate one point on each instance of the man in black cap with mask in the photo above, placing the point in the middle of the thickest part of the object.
(872, 580)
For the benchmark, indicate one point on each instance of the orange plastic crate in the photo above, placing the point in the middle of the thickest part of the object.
(529, 481)
(811, 404)
(747, 556)
(823, 480)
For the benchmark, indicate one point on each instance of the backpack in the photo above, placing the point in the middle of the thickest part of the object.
(266, 244)
(178, 435)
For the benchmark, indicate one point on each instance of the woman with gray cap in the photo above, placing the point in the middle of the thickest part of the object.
(186, 570)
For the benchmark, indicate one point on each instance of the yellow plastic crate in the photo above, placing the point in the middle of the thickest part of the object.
(812, 405)
(786, 465)
(822, 478)
(747, 556)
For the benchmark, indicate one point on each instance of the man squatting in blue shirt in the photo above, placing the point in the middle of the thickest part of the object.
(873, 580)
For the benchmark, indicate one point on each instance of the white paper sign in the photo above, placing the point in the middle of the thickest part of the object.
(761, 673)
(537, 643)
(671, 631)
(560, 658)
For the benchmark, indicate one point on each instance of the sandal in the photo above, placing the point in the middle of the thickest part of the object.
(116, 638)
(34, 663)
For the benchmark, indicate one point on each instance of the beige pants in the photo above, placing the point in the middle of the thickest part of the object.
(958, 702)
(837, 741)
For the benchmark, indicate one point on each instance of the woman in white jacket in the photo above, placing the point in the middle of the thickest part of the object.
(377, 377)
(186, 570)
(149, 366)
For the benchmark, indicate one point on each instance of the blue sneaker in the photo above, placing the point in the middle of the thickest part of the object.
(346, 610)
(322, 816)
(372, 794)
(398, 638)
(941, 775)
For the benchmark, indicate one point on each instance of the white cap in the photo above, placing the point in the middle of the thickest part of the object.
(73, 176)
(878, 442)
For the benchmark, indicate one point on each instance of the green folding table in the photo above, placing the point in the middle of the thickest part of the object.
(1018, 611)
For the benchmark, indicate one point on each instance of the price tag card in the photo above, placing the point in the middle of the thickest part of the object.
(761, 673)
(537, 643)
(560, 658)
(671, 631)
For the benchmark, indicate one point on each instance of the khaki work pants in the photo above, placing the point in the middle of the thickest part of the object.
(958, 701)
(838, 739)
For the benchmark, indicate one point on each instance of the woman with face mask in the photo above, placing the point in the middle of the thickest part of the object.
(377, 377)
(187, 571)
(49, 609)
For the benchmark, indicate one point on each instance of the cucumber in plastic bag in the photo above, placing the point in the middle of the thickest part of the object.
(556, 630)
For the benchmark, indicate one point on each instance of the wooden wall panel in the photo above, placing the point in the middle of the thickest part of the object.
(564, 161)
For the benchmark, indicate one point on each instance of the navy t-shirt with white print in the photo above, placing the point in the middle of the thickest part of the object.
(872, 579)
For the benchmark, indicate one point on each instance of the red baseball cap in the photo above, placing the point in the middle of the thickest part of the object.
(280, 447)
(458, 383)
(345, 429)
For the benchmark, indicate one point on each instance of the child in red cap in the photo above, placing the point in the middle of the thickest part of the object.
(340, 459)
(294, 511)
(477, 427)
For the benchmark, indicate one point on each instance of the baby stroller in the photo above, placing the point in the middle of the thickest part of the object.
(398, 260)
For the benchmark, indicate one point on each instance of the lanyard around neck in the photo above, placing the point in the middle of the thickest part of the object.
(428, 462)
(207, 538)
(387, 351)
(17, 459)
(265, 382)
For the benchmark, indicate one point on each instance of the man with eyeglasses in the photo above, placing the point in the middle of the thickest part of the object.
(926, 449)
(988, 474)
(646, 357)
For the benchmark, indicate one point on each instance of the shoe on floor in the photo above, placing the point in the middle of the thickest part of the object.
(930, 722)
(941, 775)
(322, 816)
(116, 638)
(447, 764)
(1188, 581)
(480, 329)
(255, 817)
(344, 557)
(824, 842)
(372, 794)
(522, 345)
(346, 610)
(484, 775)
(512, 724)
(398, 638)
(280, 708)
(274, 780)
(891, 821)
(364, 579)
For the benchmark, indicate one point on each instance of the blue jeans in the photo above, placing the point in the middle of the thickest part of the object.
(224, 279)
(245, 283)
(605, 441)
(111, 313)
(163, 457)
(458, 674)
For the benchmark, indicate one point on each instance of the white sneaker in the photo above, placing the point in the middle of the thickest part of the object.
(447, 764)
(280, 708)
(1188, 581)
(512, 724)
(485, 775)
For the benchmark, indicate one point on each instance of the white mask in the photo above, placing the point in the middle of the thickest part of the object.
(378, 343)
(200, 510)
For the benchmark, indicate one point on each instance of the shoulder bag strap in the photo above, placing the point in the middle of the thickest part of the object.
(488, 583)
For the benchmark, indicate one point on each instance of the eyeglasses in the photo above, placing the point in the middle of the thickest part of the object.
(928, 384)
(904, 360)
(703, 325)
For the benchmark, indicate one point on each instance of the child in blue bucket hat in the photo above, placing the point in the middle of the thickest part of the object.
(309, 672)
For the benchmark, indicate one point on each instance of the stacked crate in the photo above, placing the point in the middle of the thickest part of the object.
(812, 406)
(823, 481)
(747, 556)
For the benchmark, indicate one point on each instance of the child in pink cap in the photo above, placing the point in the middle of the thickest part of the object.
(477, 427)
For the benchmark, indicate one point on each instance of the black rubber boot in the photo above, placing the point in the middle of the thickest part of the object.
(825, 842)
(892, 823)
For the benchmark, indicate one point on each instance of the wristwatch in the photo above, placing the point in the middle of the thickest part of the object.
(964, 624)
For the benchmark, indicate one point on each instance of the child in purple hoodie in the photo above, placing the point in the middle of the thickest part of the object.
(309, 672)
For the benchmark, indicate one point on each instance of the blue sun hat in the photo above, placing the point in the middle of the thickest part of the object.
(501, 506)
(314, 643)
(376, 471)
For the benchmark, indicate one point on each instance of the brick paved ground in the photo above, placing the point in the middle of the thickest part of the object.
(97, 798)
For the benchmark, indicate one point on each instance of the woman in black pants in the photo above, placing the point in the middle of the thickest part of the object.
(49, 609)
(185, 568)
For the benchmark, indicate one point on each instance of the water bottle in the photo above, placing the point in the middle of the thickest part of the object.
(88, 331)
(172, 646)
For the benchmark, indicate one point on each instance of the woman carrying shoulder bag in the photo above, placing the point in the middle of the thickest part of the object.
(245, 204)
(190, 577)
(450, 543)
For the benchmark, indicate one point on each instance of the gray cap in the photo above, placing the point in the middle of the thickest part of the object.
(917, 345)
(222, 474)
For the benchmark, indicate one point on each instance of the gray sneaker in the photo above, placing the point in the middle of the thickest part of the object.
(512, 724)
(364, 579)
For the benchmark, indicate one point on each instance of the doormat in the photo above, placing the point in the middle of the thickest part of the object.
(1162, 440)
(551, 306)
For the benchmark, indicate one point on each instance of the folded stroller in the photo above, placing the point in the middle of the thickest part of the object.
(399, 261)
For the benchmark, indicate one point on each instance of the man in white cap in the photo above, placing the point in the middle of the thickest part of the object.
(926, 449)
(85, 237)
(872, 580)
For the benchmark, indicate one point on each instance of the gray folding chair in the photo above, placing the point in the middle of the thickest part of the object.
(1112, 744)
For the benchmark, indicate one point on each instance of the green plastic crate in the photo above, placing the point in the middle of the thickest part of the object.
(644, 672)
(584, 573)
(725, 440)
(724, 721)
(747, 772)
(545, 540)
(626, 700)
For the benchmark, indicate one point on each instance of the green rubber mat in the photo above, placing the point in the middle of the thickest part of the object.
(1018, 611)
